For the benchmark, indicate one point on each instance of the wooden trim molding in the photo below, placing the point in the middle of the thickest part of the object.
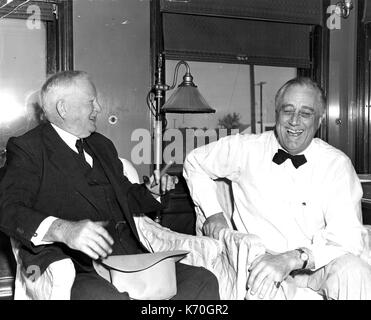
(320, 52)
(362, 155)
(65, 35)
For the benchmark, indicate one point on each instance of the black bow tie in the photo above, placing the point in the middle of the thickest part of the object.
(281, 156)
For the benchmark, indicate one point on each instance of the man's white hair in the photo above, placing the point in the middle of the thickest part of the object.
(55, 88)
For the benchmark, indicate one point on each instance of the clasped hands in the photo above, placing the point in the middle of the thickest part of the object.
(267, 272)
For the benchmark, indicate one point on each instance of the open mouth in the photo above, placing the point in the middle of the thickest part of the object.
(294, 133)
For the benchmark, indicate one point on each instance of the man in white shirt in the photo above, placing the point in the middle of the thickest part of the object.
(63, 195)
(300, 195)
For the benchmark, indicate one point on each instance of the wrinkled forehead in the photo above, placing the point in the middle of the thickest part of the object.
(302, 96)
(79, 87)
(84, 85)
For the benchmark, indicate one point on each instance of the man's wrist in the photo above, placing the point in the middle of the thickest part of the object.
(294, 261)
(41, 231)
(303, 259)
(57, 231)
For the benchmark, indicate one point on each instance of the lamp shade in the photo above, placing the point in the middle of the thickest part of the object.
(187, 99)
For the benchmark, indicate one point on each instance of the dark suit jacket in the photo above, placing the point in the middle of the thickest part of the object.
(42, 179)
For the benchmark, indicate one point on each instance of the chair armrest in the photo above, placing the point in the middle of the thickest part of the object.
(156, 238)
(54, 283)
(366, 254)
(228, 258)
(241, 250)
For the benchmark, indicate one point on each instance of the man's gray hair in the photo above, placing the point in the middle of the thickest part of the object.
(59, 80)
(301, 81)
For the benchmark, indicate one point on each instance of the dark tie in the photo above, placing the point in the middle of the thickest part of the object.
(281, 156)
(80, 148)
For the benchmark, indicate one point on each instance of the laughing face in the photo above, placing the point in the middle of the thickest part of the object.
(82, 108)
(298, 118)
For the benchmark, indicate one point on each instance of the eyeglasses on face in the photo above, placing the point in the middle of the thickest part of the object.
(303, 114)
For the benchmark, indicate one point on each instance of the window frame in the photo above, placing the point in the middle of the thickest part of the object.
(59, 30)
(319, 55)
(59, 34)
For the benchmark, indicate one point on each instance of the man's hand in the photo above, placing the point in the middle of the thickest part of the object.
(214, 224)
(268, 271)
(86, 236)
(167, 183)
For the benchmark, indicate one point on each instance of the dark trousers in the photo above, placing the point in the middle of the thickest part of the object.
(193, 283)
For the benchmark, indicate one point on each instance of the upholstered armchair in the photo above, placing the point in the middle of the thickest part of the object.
(7, 268)
(236, 252)
(227, 258)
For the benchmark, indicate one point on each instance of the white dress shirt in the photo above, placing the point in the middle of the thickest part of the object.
(44, 226)
(317, 206)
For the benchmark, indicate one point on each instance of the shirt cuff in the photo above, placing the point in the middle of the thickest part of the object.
(323, 255)
(43, 228)
(211, 207)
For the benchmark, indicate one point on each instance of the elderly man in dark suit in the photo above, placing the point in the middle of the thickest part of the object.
(63, 194)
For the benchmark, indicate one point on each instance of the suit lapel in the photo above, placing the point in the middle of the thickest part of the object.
(61, 156)
(106, 161)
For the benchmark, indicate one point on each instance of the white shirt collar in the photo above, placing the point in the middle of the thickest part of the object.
(307, 152)
(67, 137)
